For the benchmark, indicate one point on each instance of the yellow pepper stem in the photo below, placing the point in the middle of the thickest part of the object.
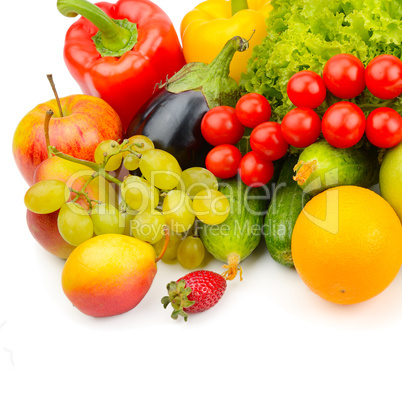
(238, 5)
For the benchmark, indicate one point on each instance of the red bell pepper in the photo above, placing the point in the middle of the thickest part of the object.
(120, 52)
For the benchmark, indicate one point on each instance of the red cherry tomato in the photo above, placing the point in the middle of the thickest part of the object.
(253, 109)
(343, 124)
(223, 161)
(220, 125)
(343, 76)
(384, 127)
(267, 141)
(306, 89)
(384, 76)
(255, 171)
(301, 127)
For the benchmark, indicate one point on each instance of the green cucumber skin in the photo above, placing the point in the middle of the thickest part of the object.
(287, 202)
(241, 232)
(338, 167)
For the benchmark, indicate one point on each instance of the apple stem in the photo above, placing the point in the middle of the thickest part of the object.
(91, 165)
(50, 78)
(48, 116)
(165, 244)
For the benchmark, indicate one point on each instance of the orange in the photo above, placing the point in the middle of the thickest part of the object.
(108, 274)
(347, 244)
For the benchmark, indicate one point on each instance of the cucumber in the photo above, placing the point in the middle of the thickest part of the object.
(321, 166)
(286, 204)
(235, 239)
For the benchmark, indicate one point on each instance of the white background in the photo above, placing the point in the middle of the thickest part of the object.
(269, 338)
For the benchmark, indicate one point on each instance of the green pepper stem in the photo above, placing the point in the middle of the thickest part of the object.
(238, 5)
(114, 37)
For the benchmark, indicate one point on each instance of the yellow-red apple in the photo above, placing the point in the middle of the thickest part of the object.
(75, 176)
(84, 123)
(44, 227)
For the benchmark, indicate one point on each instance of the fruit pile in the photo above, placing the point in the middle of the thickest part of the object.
(160, 196)
(201, 168)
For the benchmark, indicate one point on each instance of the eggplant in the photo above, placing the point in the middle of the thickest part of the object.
(173, 122)
(171, 118)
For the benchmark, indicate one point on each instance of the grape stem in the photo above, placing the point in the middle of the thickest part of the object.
(196, 226)
(121, 149)
(92, 165)
(48, 116)
(165, 244)
(83, 193)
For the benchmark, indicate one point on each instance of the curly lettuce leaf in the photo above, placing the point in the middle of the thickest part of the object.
(304, 34)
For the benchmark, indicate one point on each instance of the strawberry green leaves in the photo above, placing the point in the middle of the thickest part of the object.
(178, 293)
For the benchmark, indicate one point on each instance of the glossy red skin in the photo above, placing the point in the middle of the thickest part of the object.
(384, 127)
(301, 127)
(343, 124)
(268, 142)
(344, 76)
(253, 109)
(128, 81)
(207, 289)
(255, 171)
(43, 228)
(86, 122)
(384, 76)
(306, 89)
(223, 161)
(220, 125)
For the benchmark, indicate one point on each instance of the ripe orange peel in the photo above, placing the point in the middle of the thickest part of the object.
(165, 244)
(303, 171)
(232, 267)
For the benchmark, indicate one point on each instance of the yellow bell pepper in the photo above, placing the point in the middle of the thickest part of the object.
(205, 30)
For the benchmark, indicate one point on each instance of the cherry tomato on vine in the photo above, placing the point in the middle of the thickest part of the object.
(384, 127)
(384, 76)
(344, 76)
(223, 161)
(255, 171)
(306, 89)
(343, 124)
(253, 109)
(301, 127)
(267, 141)
(220, 125)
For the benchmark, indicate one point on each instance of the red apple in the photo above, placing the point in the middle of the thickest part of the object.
(86, 121)
(44, 227)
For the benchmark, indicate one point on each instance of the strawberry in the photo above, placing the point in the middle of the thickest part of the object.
(195, 292)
